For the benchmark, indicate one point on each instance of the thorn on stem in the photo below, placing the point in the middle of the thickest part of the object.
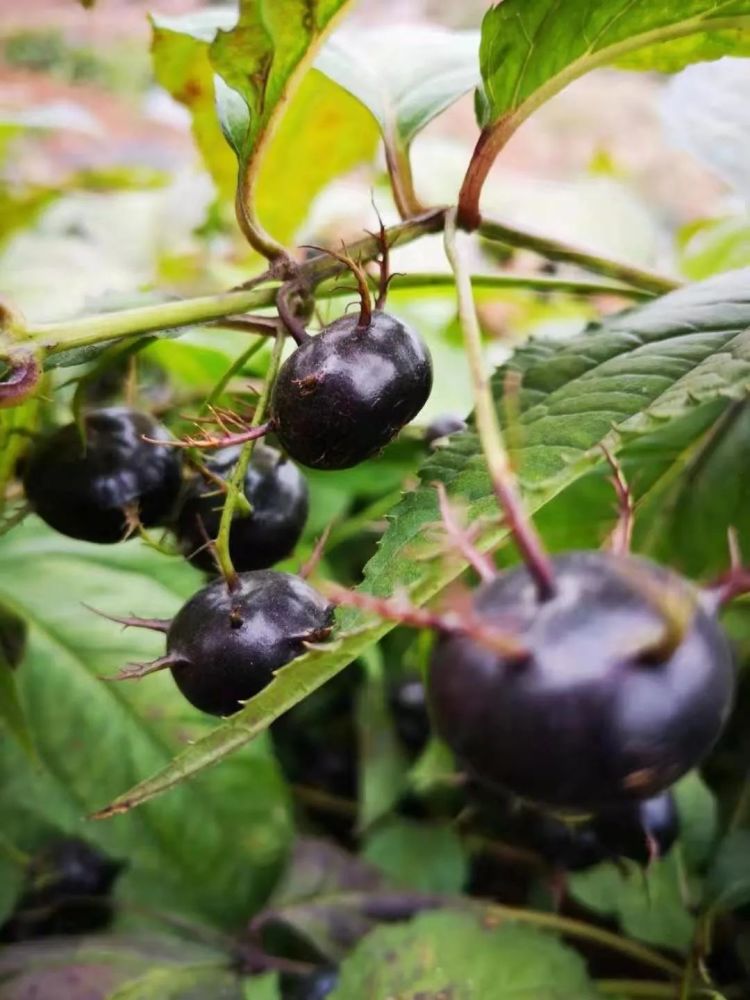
(135, 671)
(620, 539)
(212, 441)
(310, 565)
(461, 539)
(363, 287)
(153, 624)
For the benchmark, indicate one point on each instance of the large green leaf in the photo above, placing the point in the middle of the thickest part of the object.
(454, 955)
(650, 905)
(399, 848)
(405, 75)
(622, 382)
(93, 736)
(110, 967)
(531, 49)
(322, 134)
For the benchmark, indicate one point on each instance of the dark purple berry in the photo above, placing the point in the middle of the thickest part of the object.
(84, 488)
(345, 393)
(278, 495)
(408, 701)
(317, 986)
(572, 847)
(598, 712)
(443, 427)
(224, 646)
(67, 892)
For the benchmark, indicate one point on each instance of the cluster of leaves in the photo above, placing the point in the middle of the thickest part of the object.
(663, 385)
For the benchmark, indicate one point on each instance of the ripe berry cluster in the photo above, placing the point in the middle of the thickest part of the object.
(587, 683)
(339, 398)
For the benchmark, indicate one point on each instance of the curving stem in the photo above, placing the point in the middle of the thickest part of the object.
(500, 470)
(363, 285)
(288, 316)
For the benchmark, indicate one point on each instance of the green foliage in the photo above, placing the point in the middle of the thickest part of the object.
(225, 858)
(399, 848)
(452, 954)
(531, 49)
(92, 735)
(404, 76)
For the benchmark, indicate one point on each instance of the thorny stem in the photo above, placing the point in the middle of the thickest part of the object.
(363, 285)
(83, 331)
(236, 482)
(288, 316)
(400, 609)
(153, 624)
(481, 563)
(496, 231)
(498, 464)
(619, 541)
(227, 441)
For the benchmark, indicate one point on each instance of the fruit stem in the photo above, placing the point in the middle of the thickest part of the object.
(499, 467)
(498, 232)
(288, 316)
(360, 276)
(236, 481)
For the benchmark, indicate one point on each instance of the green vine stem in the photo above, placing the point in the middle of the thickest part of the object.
(570, 927)
(401, 178)
(500, 470)
(495, 231)
(635, 989)
(234, 486)
(55, 338)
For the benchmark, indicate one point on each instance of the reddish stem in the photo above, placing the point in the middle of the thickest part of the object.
(153, 624)
(401, 610)
(288, 316)
(363, 287)
(310, 565)
(251, 434)
(461, 539)
(619, 542)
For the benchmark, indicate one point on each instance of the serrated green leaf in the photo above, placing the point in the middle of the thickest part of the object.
(92, 735)
(619, 382)
(649, 904)
(699, 819)
(728, 882)
(382, 775)
(531, 49)
(404, 75)
(399, 849)
(453, 955)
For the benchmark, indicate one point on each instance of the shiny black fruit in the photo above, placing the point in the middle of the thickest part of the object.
(278, 495)
(317, 986)
(344, 394)
(82, 489)
(224, 646)
(408, 703)
(443, 427)
(67, 892)
(598, 712)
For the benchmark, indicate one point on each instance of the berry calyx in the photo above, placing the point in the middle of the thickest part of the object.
(442, 427)
(601, 710)
(278, 495)
(91, 486)
(224, 645)
(345, 393)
